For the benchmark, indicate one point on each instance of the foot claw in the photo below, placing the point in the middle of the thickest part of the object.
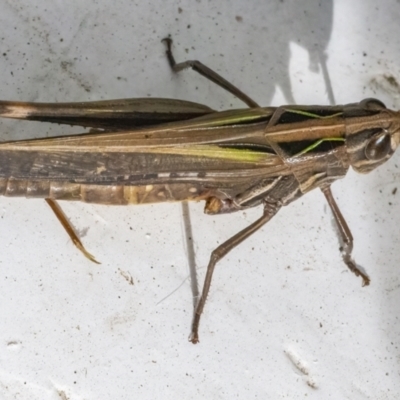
(194, 338)
(366, 280)
(167, 41)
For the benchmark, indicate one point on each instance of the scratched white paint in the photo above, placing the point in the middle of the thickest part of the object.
(284, 318)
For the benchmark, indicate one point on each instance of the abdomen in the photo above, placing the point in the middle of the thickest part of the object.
(102, 194)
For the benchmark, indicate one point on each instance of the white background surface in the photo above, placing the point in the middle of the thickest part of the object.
(284, 319)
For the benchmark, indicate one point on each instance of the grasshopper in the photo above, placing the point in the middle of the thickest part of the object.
(157, 150)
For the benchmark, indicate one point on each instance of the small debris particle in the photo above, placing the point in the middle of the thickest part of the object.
(127, 276)
(392, 80)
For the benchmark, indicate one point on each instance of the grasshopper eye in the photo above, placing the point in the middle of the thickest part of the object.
(372, 104)
(378, 147)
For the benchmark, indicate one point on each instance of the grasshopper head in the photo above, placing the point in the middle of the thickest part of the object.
(373, 137)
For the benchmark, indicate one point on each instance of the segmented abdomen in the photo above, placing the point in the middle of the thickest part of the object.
(101, 194)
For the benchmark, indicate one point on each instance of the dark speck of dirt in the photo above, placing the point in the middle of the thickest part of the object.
(392, 81)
